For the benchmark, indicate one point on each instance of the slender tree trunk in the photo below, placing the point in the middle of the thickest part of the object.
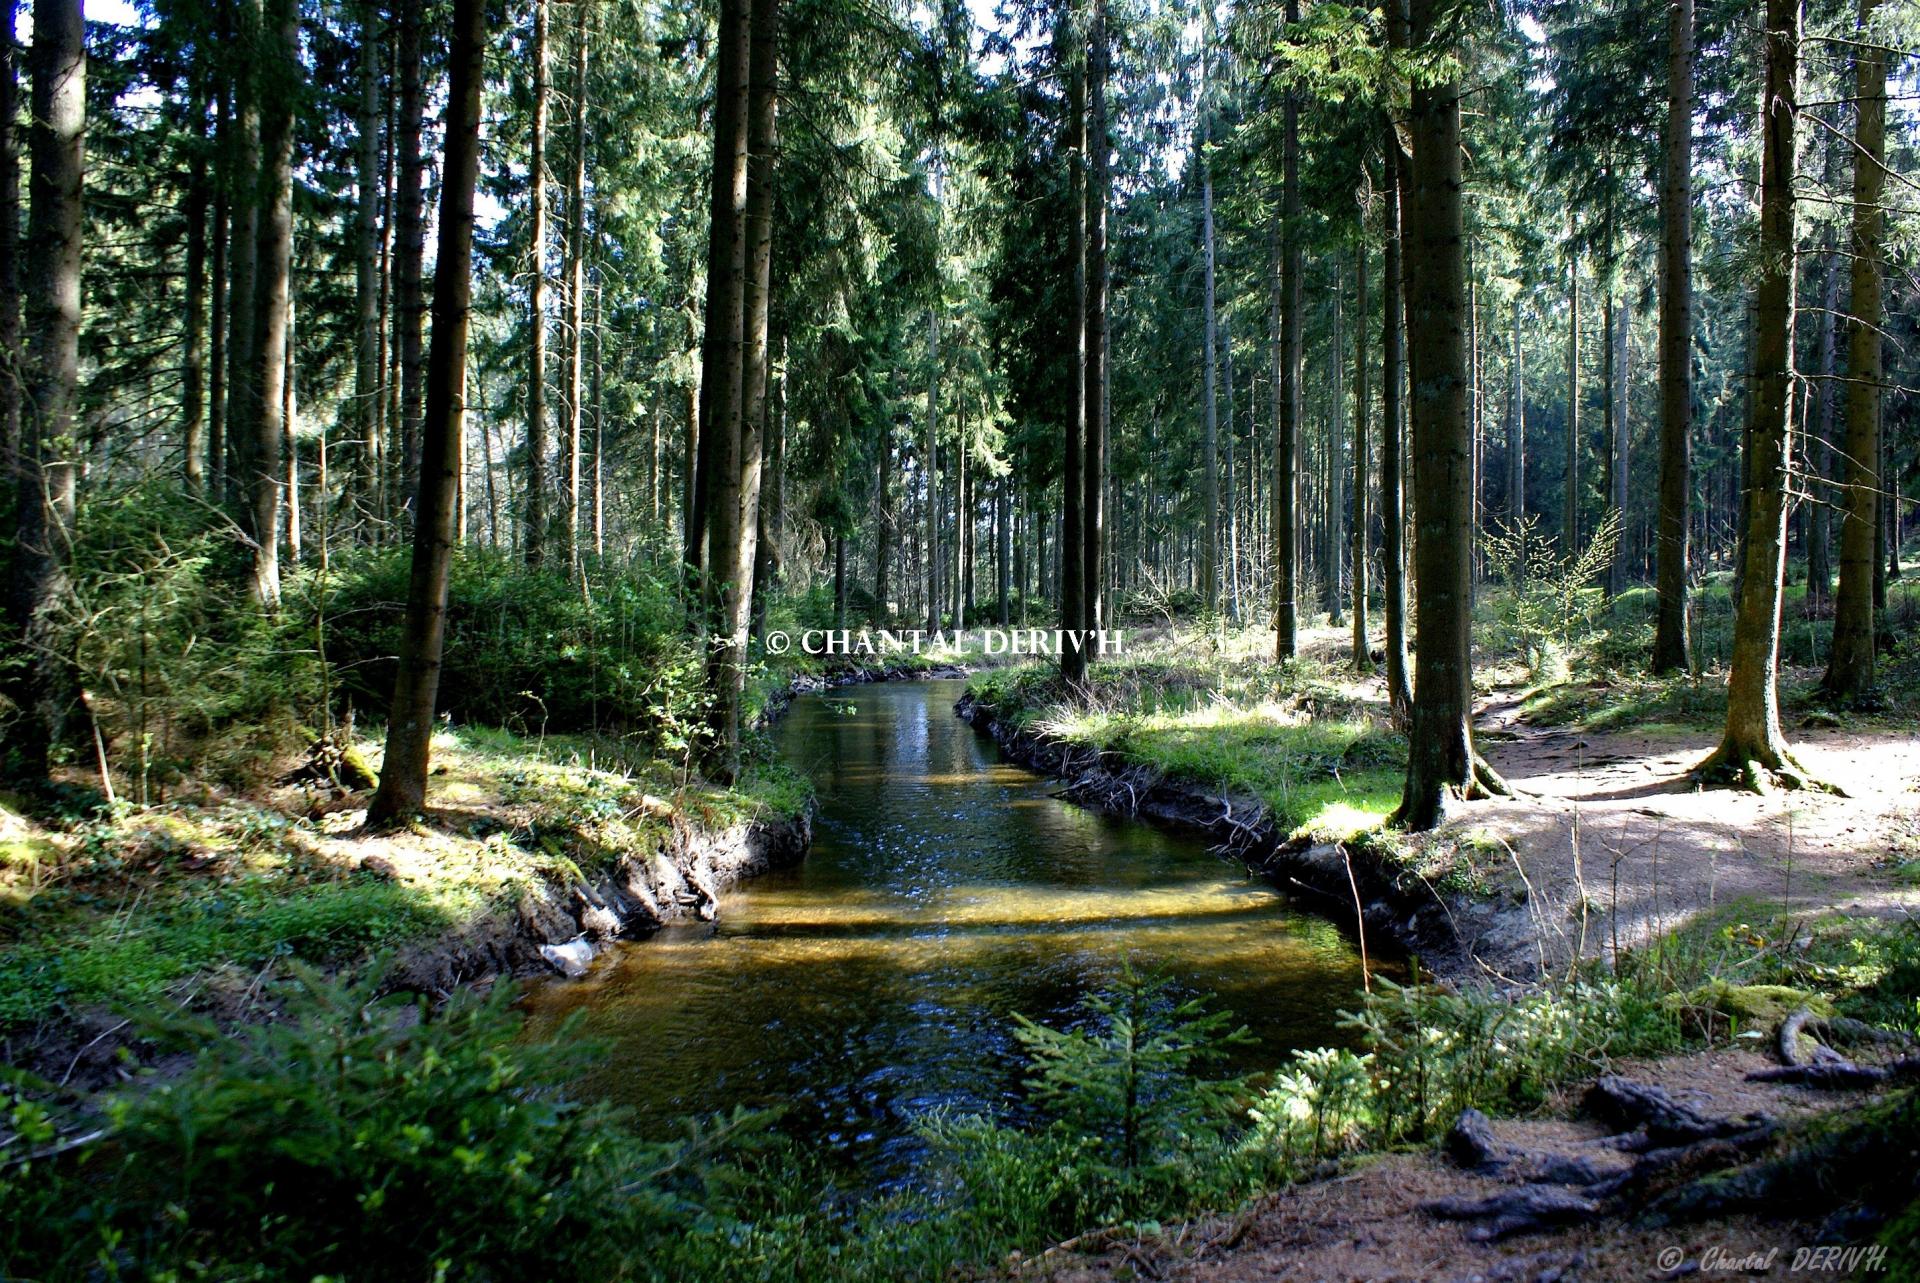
(272, 298)
(1333, 536)
(243, 181)
(403, 773)
(1286, 448)
(1392, 494)
(1442, 764)
(217, 305)
(1753, 750)
(755, 309)
(10, 236)
(576, 273)
(1672, 645)
(724, 381)
(1517, 429)
(1073, 663)
(1209, 552)
(1570, 516)
(932, 514)
(364, 472)
(1362, 466)
(1819, 450)
(43, 689)
(1850, 666)
(1099, 195)
(534, 504)
(409, 231)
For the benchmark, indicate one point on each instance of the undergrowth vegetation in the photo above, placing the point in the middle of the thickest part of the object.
(369, 1138)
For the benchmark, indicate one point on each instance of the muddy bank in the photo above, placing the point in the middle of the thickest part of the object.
(560, 926)
(1456, 935)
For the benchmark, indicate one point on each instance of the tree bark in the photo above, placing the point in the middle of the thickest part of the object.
(1819, 448)
(403, 773)
(534, 503)
(1073, 665)
(1672, 645)
(43, 688)
(1442, 764)
(242, 161)
(1753, 751)
(409, 230)
(9, 235)
(1570, 517)
(1093, 464)
(1210, 551)
(723, 381)
(1392, 488)
(272, 297)
(1850, 665)
(363, 474)
(1362, 466)
(576, 274)
(1286, 447)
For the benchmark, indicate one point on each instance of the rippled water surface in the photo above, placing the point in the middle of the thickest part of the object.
(946, 890)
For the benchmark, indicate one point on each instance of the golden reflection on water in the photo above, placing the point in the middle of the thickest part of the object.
(946, 891)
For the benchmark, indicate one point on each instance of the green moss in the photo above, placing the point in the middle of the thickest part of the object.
(1755, 1006)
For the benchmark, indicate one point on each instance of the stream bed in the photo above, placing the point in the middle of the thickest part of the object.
(946, 890)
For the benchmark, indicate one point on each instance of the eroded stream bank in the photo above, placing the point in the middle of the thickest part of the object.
(947, 889)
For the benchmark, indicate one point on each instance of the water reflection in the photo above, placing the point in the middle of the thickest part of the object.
(946, 890)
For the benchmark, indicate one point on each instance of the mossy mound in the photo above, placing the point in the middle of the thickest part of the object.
(1752, 1005)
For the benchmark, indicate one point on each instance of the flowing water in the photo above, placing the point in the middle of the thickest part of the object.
(946, 890)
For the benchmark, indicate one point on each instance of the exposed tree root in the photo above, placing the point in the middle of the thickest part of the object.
(1656, 1118)
(1759, 769)
(1531, 1207)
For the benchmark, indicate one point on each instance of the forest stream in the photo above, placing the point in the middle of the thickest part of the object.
(947, 890)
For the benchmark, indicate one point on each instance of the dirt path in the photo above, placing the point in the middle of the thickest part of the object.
(1610, 821)
(1370, 1223)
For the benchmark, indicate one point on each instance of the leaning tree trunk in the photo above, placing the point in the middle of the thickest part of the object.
(723, 380)
(1753, 751)
(1849, 673)
(1286, 447)
(1392, 488)
(416, 687)
(1671, 642)
(1442, 764)
(534, 504)
(43, 688)
(268, 439)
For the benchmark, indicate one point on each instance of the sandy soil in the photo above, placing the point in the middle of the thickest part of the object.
(1610, 821)
(1369, 1223)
